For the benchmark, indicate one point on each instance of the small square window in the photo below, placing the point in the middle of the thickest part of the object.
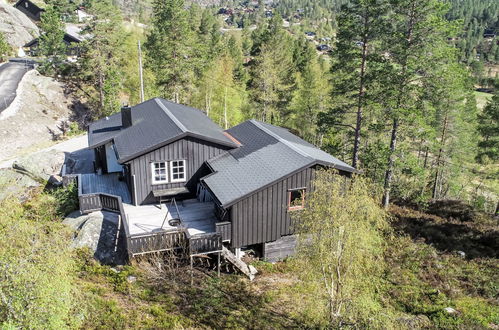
(159, 172)
(177, 168)
(296, 199)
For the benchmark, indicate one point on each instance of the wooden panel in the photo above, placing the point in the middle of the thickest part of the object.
(205, 243)
(263, 216)
(161, 241)
(194, 151)
(279, 249)
(224, 229)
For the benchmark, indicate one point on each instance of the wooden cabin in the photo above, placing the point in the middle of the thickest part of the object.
(30, 9)
(238, 187)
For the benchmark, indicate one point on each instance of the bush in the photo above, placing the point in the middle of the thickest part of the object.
(36, 267)
(341, 245)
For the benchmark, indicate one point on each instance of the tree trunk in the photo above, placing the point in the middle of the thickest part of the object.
(360, 100)
(439, 157)
(391, 159)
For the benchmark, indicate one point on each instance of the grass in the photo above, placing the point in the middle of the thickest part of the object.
(425, 275)
(482, 99)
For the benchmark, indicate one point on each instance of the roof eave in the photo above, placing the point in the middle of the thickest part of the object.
(171, 140)
(313, 163)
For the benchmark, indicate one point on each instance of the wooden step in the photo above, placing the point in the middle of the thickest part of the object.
(247, 270)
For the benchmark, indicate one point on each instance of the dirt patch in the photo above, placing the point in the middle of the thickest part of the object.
(39, 111)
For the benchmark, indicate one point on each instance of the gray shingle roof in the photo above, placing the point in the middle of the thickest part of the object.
(267, 154)
(155, 122)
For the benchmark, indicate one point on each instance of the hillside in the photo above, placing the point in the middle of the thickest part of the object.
(17, 28)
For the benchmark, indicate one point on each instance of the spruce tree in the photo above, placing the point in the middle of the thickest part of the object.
(169, 49)
(51, 42)
(489, 129)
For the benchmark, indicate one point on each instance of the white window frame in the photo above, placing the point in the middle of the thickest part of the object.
(153, 173)
(185, 170)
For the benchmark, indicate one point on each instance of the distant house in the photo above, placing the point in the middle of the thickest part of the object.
(489, 34)
(323, 48)
(30, 9)
(229, 190)
(71, 39)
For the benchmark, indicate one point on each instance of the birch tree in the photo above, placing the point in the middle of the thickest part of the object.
(341, 247)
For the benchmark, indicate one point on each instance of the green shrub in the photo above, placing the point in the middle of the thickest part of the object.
(36, 266)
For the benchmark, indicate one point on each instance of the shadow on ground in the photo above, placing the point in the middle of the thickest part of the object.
(477, 237)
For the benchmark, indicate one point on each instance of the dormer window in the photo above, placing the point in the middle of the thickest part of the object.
(159, 172)
(177, 170)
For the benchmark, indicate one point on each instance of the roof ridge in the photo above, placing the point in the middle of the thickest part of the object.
(170, 115)
(280, 139)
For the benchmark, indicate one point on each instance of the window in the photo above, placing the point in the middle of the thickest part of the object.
(296, 199)
(159, 173)
(177, 170)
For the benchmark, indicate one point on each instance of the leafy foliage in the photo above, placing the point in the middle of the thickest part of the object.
(36, 267)
(342, 244)
(5, 48)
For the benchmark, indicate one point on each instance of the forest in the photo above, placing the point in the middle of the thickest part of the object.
(395, 97)
(405, 91)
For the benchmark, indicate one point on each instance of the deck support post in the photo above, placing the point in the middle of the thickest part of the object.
(192, 272)
(238, 253)
(218, 264)
(117, 234)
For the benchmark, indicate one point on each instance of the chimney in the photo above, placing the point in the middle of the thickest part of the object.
(126, 116)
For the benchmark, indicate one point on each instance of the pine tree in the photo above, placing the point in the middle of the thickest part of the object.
(489, 129)
(356, 61)
(419, 27)
(169, 49)
(310, 98)
(51, 42)
(100, 59)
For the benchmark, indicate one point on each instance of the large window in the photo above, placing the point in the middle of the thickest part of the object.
(159, 172)
(177, 170)
(296, 199)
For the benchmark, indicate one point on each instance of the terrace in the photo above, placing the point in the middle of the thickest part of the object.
(153, 228)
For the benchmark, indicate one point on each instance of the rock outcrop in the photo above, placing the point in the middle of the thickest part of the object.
(17, 27)
(97, 231)
(40, 166)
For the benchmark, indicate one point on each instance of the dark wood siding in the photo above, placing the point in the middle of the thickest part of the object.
(30, 9)
(263, 216)
(194, 151)
(280, 249)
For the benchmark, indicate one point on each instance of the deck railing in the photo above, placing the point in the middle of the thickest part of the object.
(205, 243)
(224, 229)
(163, 240)
(155, 242)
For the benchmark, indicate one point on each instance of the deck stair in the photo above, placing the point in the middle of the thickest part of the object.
(247, 270)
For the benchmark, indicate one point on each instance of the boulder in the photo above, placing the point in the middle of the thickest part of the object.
(41, 165)
(55, 180)
(97, 231)
(450, 310)
(75, 220)
(17, 27)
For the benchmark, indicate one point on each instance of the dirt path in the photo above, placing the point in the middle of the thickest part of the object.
(31, 121)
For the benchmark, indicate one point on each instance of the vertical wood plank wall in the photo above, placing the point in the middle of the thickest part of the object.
(194, 151)
(264, 216)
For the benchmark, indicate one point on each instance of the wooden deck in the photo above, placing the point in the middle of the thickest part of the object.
(107, 183)
(196, 217)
